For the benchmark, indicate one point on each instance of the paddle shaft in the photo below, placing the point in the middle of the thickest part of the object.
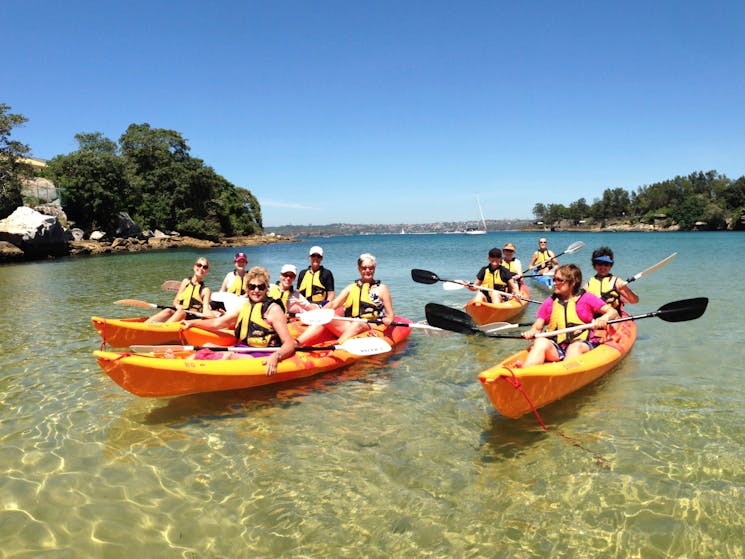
(380, 321)
(138, 303)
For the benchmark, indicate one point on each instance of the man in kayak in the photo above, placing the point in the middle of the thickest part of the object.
(568, 306)
(291, 300)
(316, 283)
(609, 288)
(494, 277)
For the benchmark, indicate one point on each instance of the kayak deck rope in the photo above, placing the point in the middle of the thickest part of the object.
(515, 382)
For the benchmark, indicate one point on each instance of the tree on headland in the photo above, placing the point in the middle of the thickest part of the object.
(150, 175)
(13, 169)
(700, 200)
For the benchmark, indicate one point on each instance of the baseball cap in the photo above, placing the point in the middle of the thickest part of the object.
(288, 268)
(315, 250)
(240, 256)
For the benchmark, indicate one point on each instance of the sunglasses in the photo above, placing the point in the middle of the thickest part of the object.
(559, 280)
(200, 265)
(288, 275)
(256, 286)
(316, 256)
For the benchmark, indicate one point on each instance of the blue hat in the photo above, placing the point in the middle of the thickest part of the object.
(607, 259)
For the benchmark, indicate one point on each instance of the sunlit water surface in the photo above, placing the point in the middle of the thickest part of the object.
(399, 455)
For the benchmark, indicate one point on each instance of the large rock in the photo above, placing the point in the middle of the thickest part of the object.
(126, 227)
(36, 234)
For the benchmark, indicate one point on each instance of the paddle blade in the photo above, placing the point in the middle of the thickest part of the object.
(680, 311)
(448, 318)
(136, 303)
(424, 276)
(365, 346)
(317, 316)
(452, 286)
(574, 247)
(171, 285)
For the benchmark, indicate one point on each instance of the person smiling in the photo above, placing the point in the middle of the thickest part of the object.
(609, 288)
(192, 295)
(233, 282)
(316, 283)
(288, 298)
(568, 306)
(366, 298)
(260, 322)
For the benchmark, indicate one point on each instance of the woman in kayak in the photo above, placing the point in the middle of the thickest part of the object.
(366, 299)
(568, 306)
(233, 282)
(609, 288)
(543, 259)
(291, 300)
(193, 295)
(260, 322)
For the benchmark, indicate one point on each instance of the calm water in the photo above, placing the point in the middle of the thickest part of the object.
(399, 456)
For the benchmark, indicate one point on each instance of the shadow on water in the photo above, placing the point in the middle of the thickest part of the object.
(505, 438)
(154, 422)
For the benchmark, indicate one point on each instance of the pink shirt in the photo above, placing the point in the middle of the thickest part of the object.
(587, 307)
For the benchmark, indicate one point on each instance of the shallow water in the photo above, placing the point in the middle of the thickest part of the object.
(399, 455)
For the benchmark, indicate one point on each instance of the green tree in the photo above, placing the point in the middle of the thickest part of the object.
(12, 167)
(92, 181)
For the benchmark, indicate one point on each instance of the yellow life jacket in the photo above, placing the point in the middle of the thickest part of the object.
(493, 279)
(511, 265)
(543, 260)
(564, 315)
(191, 296)
(605, 288)
(311, 286)
(236, 286)
(280, 297)
(251, 328)
(361, 303)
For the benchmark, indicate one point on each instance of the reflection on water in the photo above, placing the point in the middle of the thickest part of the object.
(397, 455)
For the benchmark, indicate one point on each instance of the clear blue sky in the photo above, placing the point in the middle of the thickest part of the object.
(393, 111)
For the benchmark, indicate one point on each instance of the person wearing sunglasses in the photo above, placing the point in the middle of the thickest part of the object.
(609, 288)
(568, 306)
(366, 298)
(543, 258)
(233, 282)
(291, 300)
(260, 322)
(192, 295)
(316, 283)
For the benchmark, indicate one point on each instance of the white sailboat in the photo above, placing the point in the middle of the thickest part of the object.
(473, 230)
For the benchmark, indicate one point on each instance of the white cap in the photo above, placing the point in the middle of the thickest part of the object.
(288, 268)
(315, 250)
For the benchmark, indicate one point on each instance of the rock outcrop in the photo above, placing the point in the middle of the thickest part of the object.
(36, 234)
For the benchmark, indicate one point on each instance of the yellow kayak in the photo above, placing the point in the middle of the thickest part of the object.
(125, 332)
(515, 391)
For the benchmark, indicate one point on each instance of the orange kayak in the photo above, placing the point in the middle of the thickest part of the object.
(484, 312)
(172, 374)
(125, 332)
(515, 391)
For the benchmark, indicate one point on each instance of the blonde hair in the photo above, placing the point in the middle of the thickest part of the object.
(257, 272)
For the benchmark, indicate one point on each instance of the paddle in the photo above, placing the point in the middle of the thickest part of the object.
(454, 320)
(324, 316)
(355, 346)
(651, 269)
(425, 276)
(571, 249)
(138, 303)
(171, 285)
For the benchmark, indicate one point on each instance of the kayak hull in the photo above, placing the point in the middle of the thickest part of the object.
(484, 312)
(159, 375)
(515, 391)
(125, 332)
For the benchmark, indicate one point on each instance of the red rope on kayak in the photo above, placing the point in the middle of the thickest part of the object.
(103, 337)
(515, 382)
